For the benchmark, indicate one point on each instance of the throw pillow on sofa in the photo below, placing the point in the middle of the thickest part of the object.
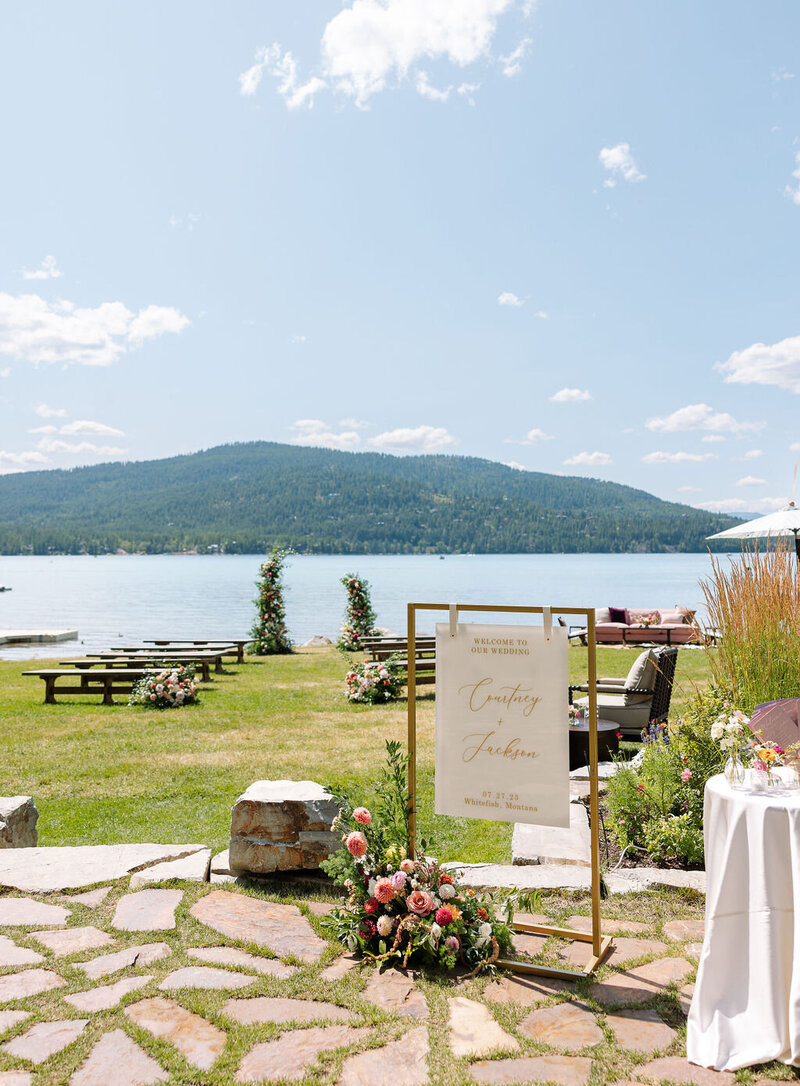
(617, 614)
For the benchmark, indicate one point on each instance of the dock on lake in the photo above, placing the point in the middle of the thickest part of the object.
(35, 637)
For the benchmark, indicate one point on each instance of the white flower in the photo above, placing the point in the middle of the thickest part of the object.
(436, 931)
(446, 891)
(371, 887)
(717, 729)
(485, 930)
(384, 925)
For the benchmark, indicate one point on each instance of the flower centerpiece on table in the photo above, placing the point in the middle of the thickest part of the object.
(406, 907)
(732, 731)
(171, 688)
(374, 682)
(652, 619)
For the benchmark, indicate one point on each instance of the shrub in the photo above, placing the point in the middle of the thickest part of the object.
(359, 621)
(270, 635)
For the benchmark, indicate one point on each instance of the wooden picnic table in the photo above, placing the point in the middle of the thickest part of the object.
(235, 642)
(155, 663)
(108, 681)
(381, 648)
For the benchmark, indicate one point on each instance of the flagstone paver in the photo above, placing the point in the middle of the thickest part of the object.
(16, 1078)
(474, 1032)
(11, 954)
(29, 983)
(340, 967)
(44, 1039)
(280, 928)
(566, 1070)
(132, 956)
(608, 924)
(528, 943)
(395, 991)
(678, 1069)
(683, 930)
(400, 1063)
(293, 1053)
(193, 868)
(642, 1031)
(9, 1019)
(91, 898)
(26, 912)
(694, 950)
(320, 908)
(71, 867)
(205, 977)
(526, 990)
(231, 955)
(641, 984)
(267, 1009)
(199, 1042)
(578, 955)
(147, 910)
(566, 1025)
(71, 940)
(685, 996)
(107, 996)
(117, 1059)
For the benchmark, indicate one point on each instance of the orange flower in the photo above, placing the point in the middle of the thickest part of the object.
(445, 878)
(482, 913)
(454, 909)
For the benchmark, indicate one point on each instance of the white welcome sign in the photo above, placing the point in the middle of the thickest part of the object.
(502, 707)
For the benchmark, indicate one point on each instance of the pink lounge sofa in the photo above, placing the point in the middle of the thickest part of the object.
(668, 626)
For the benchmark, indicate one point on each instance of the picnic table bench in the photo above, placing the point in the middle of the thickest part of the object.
(155, 663)
(237, 643)
(139, 652)
(381, 648)
(108, 681)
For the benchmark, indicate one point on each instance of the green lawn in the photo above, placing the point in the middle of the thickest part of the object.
(103, 774)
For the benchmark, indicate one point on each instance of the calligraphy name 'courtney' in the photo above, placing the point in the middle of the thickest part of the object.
(517, 697)
(482, 745)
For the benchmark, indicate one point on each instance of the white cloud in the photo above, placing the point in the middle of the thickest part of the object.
(677, 457)
(699, 416)
(48, 269)
(711, 438)
(536, 435)
(40, 332)
(43, 430)
(23, 459)
(589, 459)
(508, 297)
(371, 44)
(316, 432)
(298, 339)
(513, 464)
(421, 439)
(44, 411)
(467, 90)
(795, 446)
(751, 454)
(353, 424)
(177, 221)
(570, 395)
(742, 505)
(759, 364)
(542, 315)
(750, 480)
(512, 64)
(6, 372)
(84, 426)
(619, 162)
(424, 88)
(793, 191)
(781, 74)
(689, 490)
(76, 448)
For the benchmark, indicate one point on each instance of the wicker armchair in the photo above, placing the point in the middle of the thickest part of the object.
(641, 698)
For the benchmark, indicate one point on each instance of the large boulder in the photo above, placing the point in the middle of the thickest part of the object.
(18, 817)
(282, 826)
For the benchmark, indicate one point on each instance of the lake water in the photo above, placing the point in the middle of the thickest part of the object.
(112, 600)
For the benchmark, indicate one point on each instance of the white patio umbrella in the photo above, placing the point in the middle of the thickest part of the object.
(784, 522)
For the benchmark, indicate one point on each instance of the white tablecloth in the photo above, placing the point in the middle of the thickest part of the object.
(746, 1005)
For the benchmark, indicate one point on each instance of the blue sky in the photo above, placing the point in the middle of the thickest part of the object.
(559, 235)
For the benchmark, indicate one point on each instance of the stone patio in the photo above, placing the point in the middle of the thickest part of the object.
(117, 986)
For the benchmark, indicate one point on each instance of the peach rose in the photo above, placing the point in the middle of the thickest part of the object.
(419, 902)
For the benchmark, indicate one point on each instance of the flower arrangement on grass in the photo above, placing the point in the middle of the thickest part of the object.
(270, 635)
(374, 682)
(407, 907)
(171, 688)
(359, 620)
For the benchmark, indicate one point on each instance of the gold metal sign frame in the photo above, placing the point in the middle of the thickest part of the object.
(601, 945)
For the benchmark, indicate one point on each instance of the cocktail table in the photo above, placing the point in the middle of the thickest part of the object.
(607, 742)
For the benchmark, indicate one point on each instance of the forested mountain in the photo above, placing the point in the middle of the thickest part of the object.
(247, 498)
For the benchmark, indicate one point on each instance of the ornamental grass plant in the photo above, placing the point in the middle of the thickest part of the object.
(755, 604)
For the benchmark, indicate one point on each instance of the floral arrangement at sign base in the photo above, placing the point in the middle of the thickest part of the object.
(359, 620)
(374, 682)
(408, 907)
(270, 635)
(171, 688)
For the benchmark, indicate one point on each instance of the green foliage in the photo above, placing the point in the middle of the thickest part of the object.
(251, 498)
(676, 836)
(270, 635)
(359, 619)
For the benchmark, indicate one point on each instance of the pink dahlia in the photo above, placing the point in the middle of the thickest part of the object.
(384, 891)
(399, 880)
(444, 916)
(452, 942)
(420, 902)
(407, 866)
(356, 844)
(362, 815)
